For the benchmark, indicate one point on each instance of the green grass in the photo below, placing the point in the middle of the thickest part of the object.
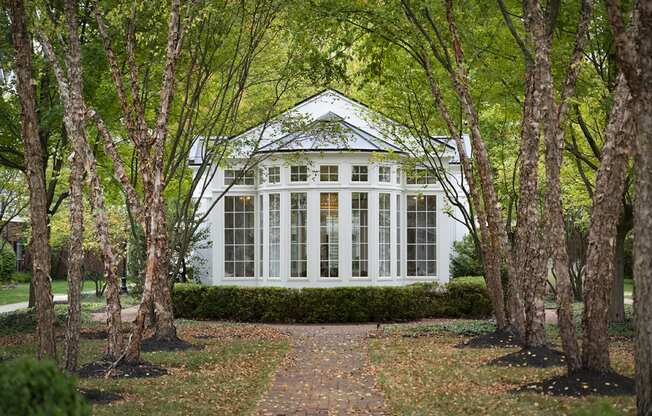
(20, 292)
(426, 375)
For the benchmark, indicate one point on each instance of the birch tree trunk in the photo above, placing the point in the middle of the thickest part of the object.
(75, 257)
(70, 91)
(490, 255)
(40, 249)
(643, 216)
(605, 214)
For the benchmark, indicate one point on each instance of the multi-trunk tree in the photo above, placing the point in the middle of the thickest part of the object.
(35, 172)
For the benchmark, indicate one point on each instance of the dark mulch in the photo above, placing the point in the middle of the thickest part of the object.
(156, 344)
(539, 357)
(123, 370)
(494, 339)
(583, 383)
(100, 396)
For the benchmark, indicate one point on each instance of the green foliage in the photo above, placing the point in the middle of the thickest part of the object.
(7, 262)
(465, 260)
(31, 387)
(21, 277)
(343, 304)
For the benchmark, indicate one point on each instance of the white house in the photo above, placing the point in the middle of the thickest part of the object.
(327, 204)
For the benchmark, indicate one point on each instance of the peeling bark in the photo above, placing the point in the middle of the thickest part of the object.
(75, 257)
(40, 249)
(70, 91)
(605, 214)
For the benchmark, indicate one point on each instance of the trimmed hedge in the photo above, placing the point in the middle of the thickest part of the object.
(330, 305)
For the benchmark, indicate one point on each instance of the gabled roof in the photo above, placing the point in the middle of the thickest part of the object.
(328, 121)
(329, 132)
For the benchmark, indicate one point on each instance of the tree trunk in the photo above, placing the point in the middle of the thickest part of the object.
(490, 256)
(530, 258)
(643, 217)
(75, 257)
(606, 211)
(70, 91)
(617, 300)
(36, 183)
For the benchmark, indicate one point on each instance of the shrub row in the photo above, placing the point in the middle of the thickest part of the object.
(330, 305)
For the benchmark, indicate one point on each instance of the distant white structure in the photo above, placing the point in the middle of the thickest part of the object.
(327, 205)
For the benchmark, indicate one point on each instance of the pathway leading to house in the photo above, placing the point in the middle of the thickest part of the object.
(327, 372)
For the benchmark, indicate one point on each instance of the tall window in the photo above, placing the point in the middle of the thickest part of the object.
(384, 233)
(239, 231)
(274, 235)
(260, 236)
(359, 241)
(238, 177)
(298, 173)
(359, 174)
(329, 238)
(384, 174)
(421, 177)
(328, 173)
(398, 176)
(298, 223)
(398, 235)
(421, 235)
(274, 174)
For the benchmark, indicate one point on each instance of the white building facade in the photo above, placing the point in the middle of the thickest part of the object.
(316, 212)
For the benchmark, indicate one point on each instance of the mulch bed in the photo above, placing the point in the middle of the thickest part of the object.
(96, 396)
(155, 344)
(504, 339)
(539, 357)
(583, 383)
(123, 370)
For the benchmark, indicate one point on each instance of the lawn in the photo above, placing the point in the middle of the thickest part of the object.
(427, 375)
(19, 292)
(225, 377)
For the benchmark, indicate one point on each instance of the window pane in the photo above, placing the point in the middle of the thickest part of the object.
(329, 245)
(359, 257)
(298, 173)
(384, 174)
(239, 232)
(328, 173)
(298, 215)
(384, 233)
(359, 174)
(421, 229)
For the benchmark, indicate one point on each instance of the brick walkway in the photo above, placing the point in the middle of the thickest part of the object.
(326, 373)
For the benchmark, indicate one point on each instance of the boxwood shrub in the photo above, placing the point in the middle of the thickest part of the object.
(331, 305)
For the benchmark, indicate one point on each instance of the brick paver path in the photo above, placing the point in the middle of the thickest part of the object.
(325, 373)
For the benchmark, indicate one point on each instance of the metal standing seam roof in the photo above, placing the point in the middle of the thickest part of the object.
(329, 132)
